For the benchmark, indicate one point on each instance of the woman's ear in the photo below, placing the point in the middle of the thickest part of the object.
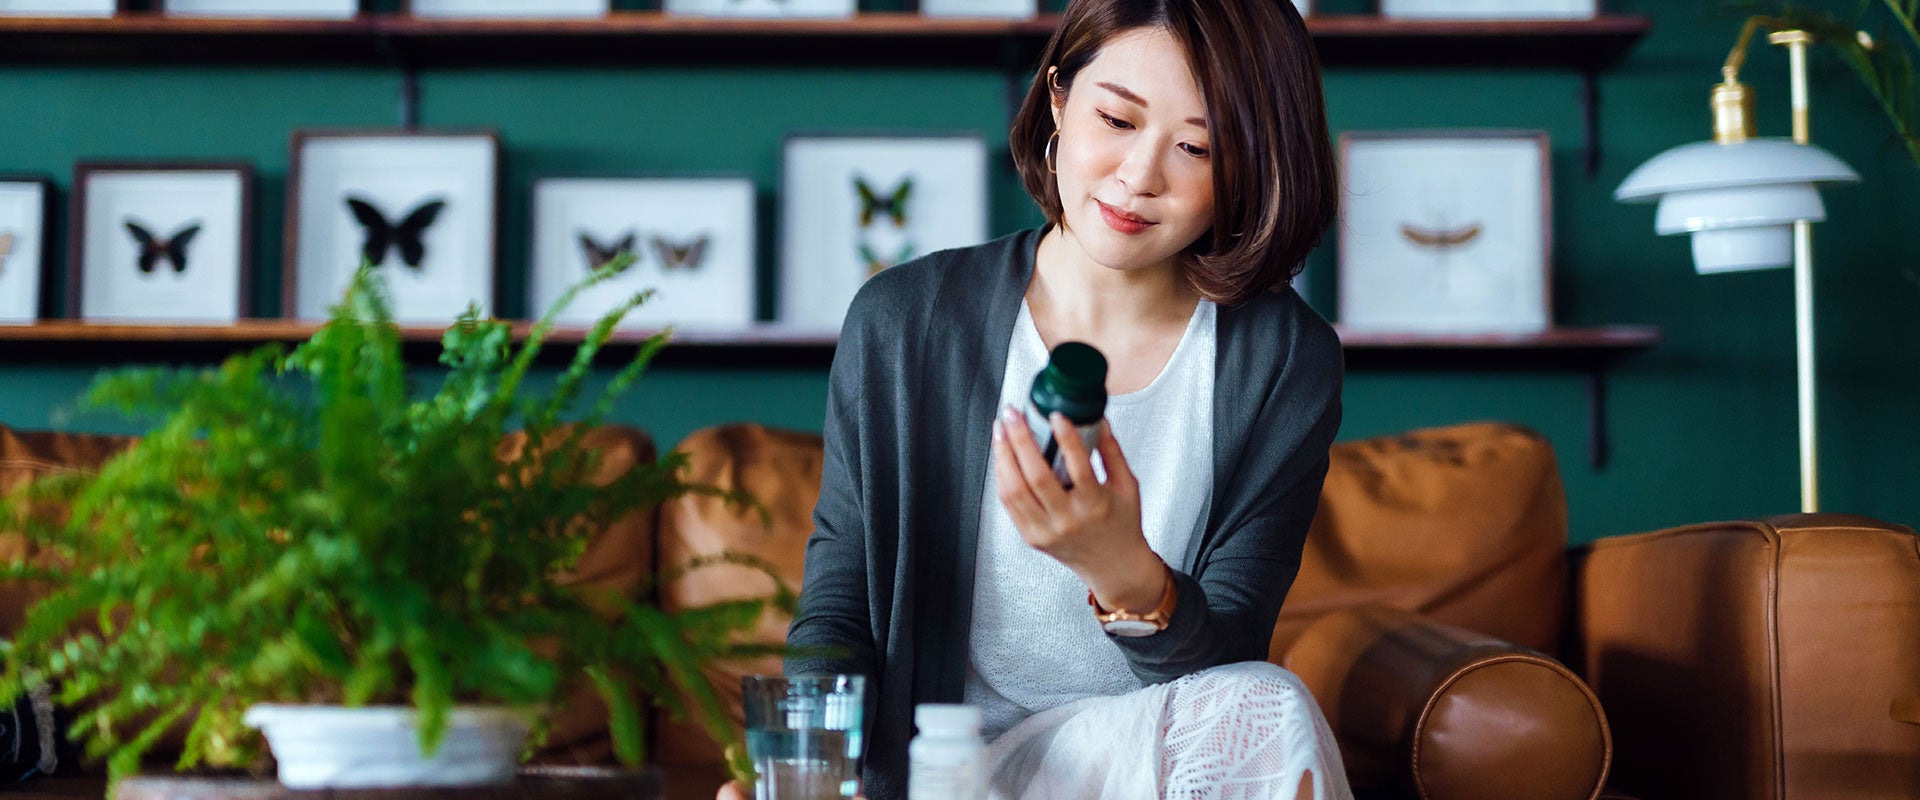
(1056, 94)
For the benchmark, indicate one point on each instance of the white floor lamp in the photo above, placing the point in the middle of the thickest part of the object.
(1750, 204)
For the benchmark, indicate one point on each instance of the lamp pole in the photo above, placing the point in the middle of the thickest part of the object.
(1796, 43)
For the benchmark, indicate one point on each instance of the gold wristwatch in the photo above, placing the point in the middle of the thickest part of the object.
(1135, 625)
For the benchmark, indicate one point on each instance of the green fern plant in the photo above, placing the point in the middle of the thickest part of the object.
(299, 529)
(1883, 57)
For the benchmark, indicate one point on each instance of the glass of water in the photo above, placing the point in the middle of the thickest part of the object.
(803, 735)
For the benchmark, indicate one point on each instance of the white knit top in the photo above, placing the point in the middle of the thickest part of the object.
(1035, 642)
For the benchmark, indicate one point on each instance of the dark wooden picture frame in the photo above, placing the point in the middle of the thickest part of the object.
(1542, 144)
(290, 269)
(77, 232)
(43, 301)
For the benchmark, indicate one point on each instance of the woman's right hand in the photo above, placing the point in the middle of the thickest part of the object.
(733, 791)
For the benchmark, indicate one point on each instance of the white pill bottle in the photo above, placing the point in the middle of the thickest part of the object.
(947, 759)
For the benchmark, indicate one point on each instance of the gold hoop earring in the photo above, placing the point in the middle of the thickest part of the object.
(1047, 157)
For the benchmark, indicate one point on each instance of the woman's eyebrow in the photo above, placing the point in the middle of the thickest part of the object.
(1129, 96)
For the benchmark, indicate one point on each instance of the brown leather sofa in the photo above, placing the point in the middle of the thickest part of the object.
(1436, 605)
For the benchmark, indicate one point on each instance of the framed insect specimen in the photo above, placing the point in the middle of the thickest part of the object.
(166, 243)
(984, 9)
(520, 9)
(853, 205)
(59, 8)
(761, 8)
(26, 209)
(693, 240)
(261, 9)
(1446, 232)
(421, 207)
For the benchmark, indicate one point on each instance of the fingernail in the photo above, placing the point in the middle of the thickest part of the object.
(1009, 414)
(999, 432)
(1057, 418)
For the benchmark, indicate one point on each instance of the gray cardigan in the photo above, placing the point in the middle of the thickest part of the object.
(911, 397)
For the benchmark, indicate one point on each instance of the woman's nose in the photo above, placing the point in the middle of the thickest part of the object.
(1140, 170)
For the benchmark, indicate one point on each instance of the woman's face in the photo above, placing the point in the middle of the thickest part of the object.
(1134, 159)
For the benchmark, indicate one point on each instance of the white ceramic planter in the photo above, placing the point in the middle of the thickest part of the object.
(329, 747)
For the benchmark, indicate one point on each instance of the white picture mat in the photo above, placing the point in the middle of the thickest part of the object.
(1489, 9)
(717, 295)
(113, 288)
(821, 268)
(264, 9)
(976, 9)
(1491, 284)
(57, 8)
(762, 8)
(397, 174)
(521, 9)
(23, 214)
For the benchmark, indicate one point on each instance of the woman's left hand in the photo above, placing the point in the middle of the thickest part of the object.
(1094, 528)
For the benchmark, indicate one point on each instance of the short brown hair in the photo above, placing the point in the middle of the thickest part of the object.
(1273, 177)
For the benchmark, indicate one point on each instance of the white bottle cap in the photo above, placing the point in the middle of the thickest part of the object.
(932, 717)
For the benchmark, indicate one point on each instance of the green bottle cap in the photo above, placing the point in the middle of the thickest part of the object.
(1077, 370)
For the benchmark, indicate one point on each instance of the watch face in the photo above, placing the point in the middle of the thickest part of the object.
(1131, 628)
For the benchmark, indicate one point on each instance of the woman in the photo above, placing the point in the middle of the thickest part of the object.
(1179, 150)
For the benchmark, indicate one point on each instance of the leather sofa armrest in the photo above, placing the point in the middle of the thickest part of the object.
(1442, 712)
(1907, 710)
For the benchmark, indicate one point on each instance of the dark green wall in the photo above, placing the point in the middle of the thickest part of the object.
(1703, 427)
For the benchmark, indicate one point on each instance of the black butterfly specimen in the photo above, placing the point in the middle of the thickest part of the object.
(893, 205)
(407, 236)
(681, 256)
(599, 255)
(6, 249)
(173, 248)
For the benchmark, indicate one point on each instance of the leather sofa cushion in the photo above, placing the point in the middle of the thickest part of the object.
(1440, 712)
(1756, 658)
(617, 561)
(781, 470)
(25, 456)
(1464, 524)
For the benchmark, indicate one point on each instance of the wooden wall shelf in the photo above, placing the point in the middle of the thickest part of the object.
(1588, 351)
(643, 37)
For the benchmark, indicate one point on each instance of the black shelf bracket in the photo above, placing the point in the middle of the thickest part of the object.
(409, 101)
(1590, 105)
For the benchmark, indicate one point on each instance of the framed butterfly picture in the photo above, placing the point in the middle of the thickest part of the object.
(811, 9)
(59, 8)
(1446, 232)
(421, 207)
(510, 9)
(263, 9)
(26, 209)
(161, 243)
(692, 239)
(852, 205)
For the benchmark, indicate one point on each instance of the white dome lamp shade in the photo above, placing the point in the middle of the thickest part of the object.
(1739, 200)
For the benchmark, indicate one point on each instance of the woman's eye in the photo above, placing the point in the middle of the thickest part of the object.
(1113, 122)
(1194, 150)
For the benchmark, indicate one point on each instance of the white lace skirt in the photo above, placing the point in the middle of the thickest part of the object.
(1248, 730)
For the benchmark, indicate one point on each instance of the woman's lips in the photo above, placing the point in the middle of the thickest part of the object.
(1122, 222)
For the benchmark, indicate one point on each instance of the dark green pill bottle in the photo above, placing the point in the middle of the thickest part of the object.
(1075, 384)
